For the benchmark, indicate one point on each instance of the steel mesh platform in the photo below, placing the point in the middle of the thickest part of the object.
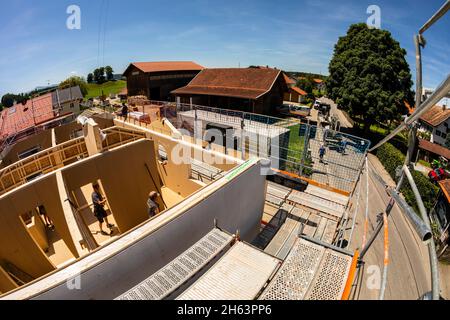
(177, 272)
(310, 272)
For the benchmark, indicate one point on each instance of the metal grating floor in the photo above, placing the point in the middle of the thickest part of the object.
(240, 274)
(165, 281)
(310, 272)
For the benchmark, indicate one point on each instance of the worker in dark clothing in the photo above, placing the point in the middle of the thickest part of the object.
(48, 222)
(153, 207)
(322, 152)
(99, 210)
(124, 111)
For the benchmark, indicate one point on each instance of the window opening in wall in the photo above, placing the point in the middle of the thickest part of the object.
(162, 154)
(29, 152)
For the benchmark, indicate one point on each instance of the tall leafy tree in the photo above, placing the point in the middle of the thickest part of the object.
(99, 75)
(73, 82)
(109, 73)
(90, 78)
(9, 99)
(369, 76)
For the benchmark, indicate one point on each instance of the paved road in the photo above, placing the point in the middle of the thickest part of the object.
(345, 123)
(408, 273)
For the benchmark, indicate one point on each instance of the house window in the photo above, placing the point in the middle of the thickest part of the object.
(446, 124)
(72, 105)
(438, 133)
(136, 73)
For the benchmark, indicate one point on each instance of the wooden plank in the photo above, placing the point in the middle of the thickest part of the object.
(330, 230)
(321, 228)
(281, 236)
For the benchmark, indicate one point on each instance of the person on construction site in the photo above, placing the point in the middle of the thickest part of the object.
(99, 210)
(153, 207)
(322, 152)
(209, 143)
(48, 222)
(124, 111)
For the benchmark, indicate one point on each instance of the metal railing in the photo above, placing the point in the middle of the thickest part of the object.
(291, 144)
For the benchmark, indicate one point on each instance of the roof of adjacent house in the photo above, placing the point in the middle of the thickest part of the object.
(21, 117)
(288, 79)
(247, 83)
(35, 111)
(434, 148)
(161, 66)
(67, 95)
(299, 91)
(436, 115)
(318, 81)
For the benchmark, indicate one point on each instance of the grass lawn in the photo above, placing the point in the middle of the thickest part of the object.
(424, 163)
(296, 144)
(114, 87)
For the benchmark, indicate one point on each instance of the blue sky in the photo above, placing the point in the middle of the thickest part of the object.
(37, 48)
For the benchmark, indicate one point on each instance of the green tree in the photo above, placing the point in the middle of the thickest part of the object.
(109, 73)
(9, 99)
(369, 76)
(90, 78)
(99, 75)
(73, 82)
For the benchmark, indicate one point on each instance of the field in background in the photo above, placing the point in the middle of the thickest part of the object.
(111, 87)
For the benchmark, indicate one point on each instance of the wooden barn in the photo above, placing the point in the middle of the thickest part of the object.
(156, 80)
(257, 90)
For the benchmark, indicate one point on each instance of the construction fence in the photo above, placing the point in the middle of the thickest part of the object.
(291, 144)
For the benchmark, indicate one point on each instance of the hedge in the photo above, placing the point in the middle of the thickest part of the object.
(391, 158)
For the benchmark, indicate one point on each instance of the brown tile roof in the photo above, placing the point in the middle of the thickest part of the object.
(288, 80)
(434, 148)
(161, 66)
(299, 91)
(435, 116)
(248, 83)
(445, 187)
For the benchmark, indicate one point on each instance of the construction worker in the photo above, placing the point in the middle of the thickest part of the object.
(322, 152)
(99, 210)
(153, 207)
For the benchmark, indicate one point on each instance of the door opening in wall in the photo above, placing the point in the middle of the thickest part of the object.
(42, 230)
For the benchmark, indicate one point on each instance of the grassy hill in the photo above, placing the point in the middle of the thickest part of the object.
(114, 87)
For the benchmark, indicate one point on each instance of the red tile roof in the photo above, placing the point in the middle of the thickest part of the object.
(434, 148)
(318, 80)
(247, 83)
(435, 116)
(299, 91)
(20, 117)
(161, 66)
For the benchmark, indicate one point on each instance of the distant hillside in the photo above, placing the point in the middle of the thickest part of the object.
(111, 87)
(296, 75)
